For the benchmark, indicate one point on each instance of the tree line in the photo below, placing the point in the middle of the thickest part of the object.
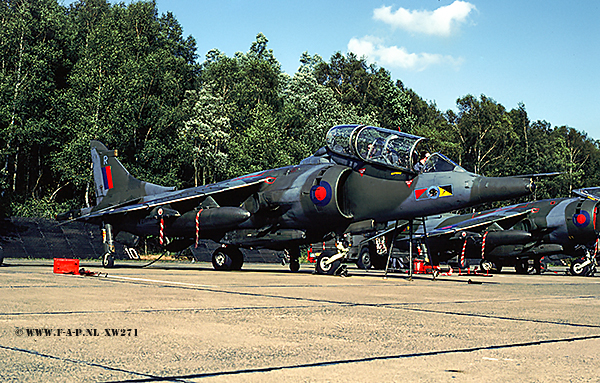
(126, 75)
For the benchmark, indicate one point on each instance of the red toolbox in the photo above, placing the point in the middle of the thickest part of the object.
(66, 266)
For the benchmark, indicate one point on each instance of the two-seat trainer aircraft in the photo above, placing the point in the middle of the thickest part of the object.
(517, 234)
(362, 179)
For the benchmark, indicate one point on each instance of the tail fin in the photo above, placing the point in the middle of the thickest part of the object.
(113, 183)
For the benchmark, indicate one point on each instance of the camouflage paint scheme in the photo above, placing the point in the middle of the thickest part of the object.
(361, 180)
(516, 234)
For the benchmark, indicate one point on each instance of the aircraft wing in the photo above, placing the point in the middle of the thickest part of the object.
(238, 188)
(503, 217)
(591, 193)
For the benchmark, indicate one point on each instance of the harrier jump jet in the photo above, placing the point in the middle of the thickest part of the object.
(517, 234)
(363, 178)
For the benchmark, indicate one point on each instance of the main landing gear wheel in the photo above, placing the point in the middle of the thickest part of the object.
(294, 265)
(577, 268)
(294, 253)
(498, 267)
(227, 258)
(522, 266)
(364, 258)
(378, 261)
(108, 260)
(323, 267)
(537, 266)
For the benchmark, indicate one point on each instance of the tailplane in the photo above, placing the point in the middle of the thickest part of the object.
(113, 183)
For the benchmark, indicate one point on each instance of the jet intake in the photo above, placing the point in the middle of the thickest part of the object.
(582, 221)
(325, 196)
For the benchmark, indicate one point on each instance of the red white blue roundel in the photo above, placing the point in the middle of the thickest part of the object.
(321, 194)
(581, 219)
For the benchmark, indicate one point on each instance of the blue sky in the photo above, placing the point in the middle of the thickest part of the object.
(545, 54)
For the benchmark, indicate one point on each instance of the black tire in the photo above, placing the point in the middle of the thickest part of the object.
(498, 267)
(221, 260)
(329, 269)
(294, 265)
(237, 257)
(364, 258)
(377, 260)
(108, 260)
(577, 268)
(294, 253)
(522, 266)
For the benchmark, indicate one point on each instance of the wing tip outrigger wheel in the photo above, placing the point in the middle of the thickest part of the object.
(108, 260)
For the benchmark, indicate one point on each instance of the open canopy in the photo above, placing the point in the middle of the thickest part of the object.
(375, 145)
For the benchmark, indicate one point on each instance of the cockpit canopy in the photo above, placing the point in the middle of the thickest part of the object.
(375, 145)
(385, 147)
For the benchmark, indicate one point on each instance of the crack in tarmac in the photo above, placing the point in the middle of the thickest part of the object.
(184, 378)
(396, 306)
(501, 317)
(91, 364)
(143, 377)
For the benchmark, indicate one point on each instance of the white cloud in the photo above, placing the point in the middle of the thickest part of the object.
(398, 57)
(441, 22)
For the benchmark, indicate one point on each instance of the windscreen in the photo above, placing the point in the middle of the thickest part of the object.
(439, 163)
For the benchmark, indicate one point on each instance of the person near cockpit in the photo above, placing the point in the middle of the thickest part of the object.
(420, 165)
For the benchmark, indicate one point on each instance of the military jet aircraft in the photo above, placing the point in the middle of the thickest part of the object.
(364, 177)
(517, 234)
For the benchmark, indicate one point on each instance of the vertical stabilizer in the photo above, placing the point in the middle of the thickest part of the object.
(113, 183)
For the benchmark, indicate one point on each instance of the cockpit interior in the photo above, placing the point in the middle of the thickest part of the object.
(386, 147)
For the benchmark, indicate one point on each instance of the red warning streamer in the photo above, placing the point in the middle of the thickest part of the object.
(483, 246)
(161, 237)
(462, 255)
(198, 227)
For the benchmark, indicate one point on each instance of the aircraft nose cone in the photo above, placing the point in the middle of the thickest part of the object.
(488, 189)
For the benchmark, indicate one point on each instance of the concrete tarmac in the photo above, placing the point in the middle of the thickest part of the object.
(181, 322)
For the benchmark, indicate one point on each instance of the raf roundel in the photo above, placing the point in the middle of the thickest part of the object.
(581, 219)
(321, 194)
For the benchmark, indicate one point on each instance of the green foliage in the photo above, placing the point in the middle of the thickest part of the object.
(310, 110)
(369, 89)
(125, 75)
(262, 146)
(205, 136)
